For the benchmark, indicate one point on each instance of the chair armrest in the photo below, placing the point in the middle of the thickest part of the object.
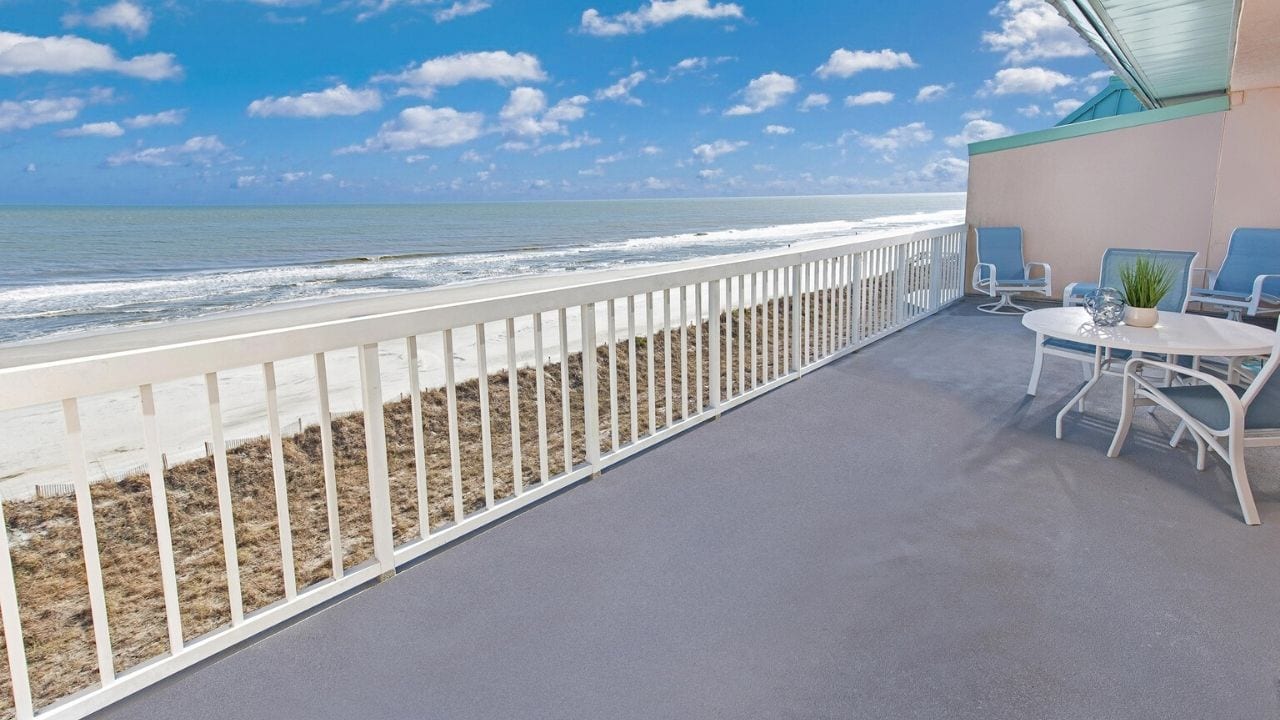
(1235, 407)
(1256, 296)
(1048, 274)
(1069, 296)
(977, 274)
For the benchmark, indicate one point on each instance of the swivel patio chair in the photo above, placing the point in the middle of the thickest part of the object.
(1248, 281)
(1212, 411)
(1000, 270)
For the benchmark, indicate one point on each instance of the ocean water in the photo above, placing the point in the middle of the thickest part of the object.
(67, 269)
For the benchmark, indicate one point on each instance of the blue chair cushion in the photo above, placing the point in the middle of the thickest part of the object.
(1081, 289)
(1083, 348)
(1230, 295)
(1204, 403)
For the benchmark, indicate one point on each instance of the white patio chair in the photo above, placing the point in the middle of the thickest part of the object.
(1000, 270)
(1213, 411)
(1248, 281)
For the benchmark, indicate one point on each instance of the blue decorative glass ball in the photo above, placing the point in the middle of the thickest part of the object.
(1106, 305)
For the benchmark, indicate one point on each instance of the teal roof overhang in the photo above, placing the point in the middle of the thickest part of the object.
(1167, 51)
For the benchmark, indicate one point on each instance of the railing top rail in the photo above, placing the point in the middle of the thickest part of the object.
(81, 368)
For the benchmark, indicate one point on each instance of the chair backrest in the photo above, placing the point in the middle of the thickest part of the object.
(1180, 261)
(1250, 253)
(1002, 247)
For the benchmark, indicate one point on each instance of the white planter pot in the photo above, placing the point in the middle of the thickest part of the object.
(1141, 317)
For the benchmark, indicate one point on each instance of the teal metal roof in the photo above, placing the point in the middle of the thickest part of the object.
(1167, 51)
(1115, 99)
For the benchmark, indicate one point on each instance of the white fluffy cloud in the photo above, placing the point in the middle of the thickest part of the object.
(873, 97)
(1066, 106)
(929, 93)
(708, 152)
(946, 171)
(497, 66)
(655, 14)
(124, 15)
(423, 127)
(621, 90)
(24, 114)
(200, 150)
(337, 100)
(68, 54)
(461, 8)
(95, 129)
(526, 113)
(166, 117)
(1026, 80)
(814, 101)
(845, 63)
(977, 131)
(1032, 30)
(893, 140)
(768, 90)
(778, 130)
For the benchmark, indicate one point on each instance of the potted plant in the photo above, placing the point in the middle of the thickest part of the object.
(1145, 282)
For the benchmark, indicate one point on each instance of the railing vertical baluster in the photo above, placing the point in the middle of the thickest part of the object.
(615, 433)
(775, 304)
(223, 476)
(631, 368)
(666, 354)
(160, 511)
(830, 295)
(648, 356)
(787, 276)
(419, 438)
(89, 541)
(451, 398)
(855, 298)
(513, 394)
(684, 352)
(900, 289)
(799, 338)
(590, 387)
(14, 643)
(697, 345)
(540, 386)
(283, 525)
(566, 415)
(755, 332)
(765, 307)
(804, 316)
(375, 446)
(935, 273)
(713, 341)
(330, 473)
(728, 340)
(742, 334)
(486, 431)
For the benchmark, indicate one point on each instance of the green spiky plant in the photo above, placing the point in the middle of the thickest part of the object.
(1145, 282)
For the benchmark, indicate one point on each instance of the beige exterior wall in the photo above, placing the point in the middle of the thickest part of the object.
(1182, 184)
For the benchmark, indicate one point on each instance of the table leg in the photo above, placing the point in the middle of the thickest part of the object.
(1079, 396)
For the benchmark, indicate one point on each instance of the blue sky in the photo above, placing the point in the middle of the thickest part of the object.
(286, 101)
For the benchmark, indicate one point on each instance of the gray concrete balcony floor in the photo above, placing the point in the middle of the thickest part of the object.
(897, 535)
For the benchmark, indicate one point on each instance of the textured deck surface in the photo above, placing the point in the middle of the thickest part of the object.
(897, 535)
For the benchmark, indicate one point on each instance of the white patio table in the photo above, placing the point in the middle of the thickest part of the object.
(1175, 335)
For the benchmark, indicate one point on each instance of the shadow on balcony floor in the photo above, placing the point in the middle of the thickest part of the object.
(897, 535)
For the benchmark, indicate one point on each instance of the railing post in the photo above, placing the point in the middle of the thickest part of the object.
(375, 445)
(855, 299)
(713, 330)
(797, 333)
(935, 273)
(590, 387)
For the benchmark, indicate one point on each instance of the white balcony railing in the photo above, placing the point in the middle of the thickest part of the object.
(728, 329)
